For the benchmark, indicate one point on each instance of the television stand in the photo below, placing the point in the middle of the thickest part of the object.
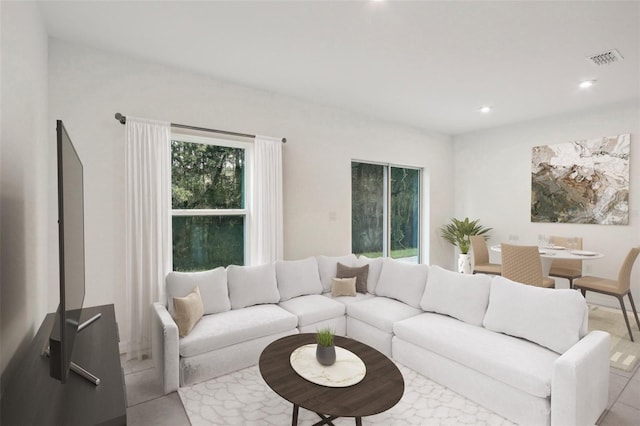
(84, 373)
(73, 366)
(33, 397)
(88, 322)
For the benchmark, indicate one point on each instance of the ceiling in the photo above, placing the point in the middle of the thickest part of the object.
(428, 64)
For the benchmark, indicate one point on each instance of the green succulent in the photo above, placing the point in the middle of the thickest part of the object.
(324, 337)
(458, 232)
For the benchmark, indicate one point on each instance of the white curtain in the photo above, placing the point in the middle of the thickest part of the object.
(266, 202)
(147, 225)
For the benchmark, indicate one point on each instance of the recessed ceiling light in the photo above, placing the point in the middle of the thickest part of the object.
(586, 84)
(485, 109)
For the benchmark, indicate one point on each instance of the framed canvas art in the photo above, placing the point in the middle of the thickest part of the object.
(584, 181)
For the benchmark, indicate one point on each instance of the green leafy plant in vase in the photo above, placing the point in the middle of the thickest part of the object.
(457, 232)
(325, 349)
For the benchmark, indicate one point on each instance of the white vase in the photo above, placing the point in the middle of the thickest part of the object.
(464, 263)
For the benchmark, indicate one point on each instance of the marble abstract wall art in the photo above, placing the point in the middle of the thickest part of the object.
(584, 181)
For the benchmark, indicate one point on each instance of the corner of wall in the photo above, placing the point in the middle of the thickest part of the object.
(24, 178)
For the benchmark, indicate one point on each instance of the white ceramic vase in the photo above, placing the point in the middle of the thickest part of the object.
(464, 263)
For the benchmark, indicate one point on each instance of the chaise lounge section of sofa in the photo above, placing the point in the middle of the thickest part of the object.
(522, 352)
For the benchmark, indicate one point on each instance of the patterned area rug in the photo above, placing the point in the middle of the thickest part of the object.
(243, 398)
(624, 353)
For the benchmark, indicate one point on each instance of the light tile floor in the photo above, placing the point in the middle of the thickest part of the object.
(147, 406)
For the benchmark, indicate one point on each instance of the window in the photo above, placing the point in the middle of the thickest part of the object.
(385, 211)
(209, 213)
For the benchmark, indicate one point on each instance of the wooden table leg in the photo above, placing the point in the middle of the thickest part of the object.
(326, 420)
(358, 421)
(294, 419)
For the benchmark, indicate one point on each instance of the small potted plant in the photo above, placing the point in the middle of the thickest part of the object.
(457, 232)
(325, 350)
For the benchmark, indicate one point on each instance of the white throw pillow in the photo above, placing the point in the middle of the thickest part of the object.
(252, 285)
(327, 267)
(212, 285)
(402, 281)
(462, 296)
(375, 267)
(298, 278)
(549, 317)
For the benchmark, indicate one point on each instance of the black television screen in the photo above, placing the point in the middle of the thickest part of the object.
(71, 255)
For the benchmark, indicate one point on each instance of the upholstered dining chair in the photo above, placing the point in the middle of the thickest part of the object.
(481, 264)
(523, 264)
(569, 269)
(617, 288)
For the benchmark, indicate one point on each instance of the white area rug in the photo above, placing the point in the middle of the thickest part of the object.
(243, 398)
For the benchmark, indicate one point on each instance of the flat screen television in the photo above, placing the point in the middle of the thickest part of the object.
(71, 255)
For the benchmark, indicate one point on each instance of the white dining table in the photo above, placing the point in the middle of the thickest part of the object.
(548, 254)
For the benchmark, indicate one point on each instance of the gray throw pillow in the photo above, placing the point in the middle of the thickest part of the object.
(360, 273)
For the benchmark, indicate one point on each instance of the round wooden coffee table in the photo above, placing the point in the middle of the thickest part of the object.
(380, 389)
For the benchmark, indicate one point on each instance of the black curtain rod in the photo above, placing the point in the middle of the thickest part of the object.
(122, 119)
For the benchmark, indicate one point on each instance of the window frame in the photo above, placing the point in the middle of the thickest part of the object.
(246, 185)
(386, 208)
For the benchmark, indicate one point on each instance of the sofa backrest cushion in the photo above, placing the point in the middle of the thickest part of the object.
(327, 266)
(462, 296)
(375, 267)
(212, 285)
(549, 317)
(298, 278)
(402, 281)
(252, 285)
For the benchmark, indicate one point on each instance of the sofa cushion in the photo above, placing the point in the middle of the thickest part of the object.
(313, 308)
(549, 317)
(298, 278)
(375, 267)
(347, 300)
(236, 326)
(402, 281)
(360, 273)
(462, 296)
(516, 362)
(188, 311)
(381, 312)
(252, 285)
(343, 287)
(327, 267)
(212, 285)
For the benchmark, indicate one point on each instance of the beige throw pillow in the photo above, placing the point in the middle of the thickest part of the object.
(343, 287)
(187, 311)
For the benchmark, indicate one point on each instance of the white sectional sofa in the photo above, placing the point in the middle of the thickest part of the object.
(521, 351)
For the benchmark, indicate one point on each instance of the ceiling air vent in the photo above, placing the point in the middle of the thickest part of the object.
(605, 58)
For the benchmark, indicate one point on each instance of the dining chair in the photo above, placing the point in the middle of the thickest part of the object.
(570, 269)
(481, 262)
(617, 288)
(523, 264)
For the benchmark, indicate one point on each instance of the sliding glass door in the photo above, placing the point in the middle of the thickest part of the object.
(385, 211)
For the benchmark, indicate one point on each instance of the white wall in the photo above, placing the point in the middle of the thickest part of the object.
(87, 87)
(24, 155)
(493, 183)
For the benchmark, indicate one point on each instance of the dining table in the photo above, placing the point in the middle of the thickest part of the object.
(549, 253)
